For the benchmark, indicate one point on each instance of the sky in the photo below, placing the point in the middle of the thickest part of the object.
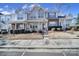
(65, 8)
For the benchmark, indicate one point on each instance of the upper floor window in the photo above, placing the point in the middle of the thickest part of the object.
(2, 18)
(20, 17)
(8, 19)
(41, 14)
(33, 17)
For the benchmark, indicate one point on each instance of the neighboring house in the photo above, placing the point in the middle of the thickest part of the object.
(69, 19)
(4, 21)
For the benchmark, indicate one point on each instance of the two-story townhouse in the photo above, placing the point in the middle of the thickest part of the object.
(33, 20)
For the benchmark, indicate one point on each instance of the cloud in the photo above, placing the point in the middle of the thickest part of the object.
(13, 11)
(6, 6)
(5, 12)
(8, 12)
(1, 9)
(46, 9)
(32, 5)
(24, 7)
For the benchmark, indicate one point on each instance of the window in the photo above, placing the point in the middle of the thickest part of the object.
(8, 19)
(30, 26)
(32, 17)
(36, 26)
(2, 19)
(19, 17)
(40, 14)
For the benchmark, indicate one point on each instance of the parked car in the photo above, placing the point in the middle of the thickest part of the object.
(4, 31)
(55, 27)
(0, 31)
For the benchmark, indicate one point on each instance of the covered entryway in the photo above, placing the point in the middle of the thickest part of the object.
(30, 25)
(54, 23)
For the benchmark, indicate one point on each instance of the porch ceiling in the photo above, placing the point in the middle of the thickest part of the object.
(51, 20)
(30, 21)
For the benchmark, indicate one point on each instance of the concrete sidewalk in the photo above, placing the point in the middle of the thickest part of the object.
(55, 43)
(39, 52)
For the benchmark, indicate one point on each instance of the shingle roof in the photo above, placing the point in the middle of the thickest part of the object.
(61, 16)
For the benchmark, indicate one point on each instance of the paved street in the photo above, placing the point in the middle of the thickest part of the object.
(2, 53)
(38, 52)
(42, 54)
(6, 53)
(29, 54)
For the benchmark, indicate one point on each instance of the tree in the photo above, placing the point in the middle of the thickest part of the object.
(60, 7)
(77, 19)
(0, 21)
(0, 26)
(1, 14)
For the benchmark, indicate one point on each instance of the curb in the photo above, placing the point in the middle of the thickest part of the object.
(36, 47)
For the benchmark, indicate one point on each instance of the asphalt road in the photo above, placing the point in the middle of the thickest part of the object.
(14, 53)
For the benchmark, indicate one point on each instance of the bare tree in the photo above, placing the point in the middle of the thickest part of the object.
(59, 7)
(0, 26)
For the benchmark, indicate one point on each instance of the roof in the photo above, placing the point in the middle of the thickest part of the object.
(1, 14)
(61, 16)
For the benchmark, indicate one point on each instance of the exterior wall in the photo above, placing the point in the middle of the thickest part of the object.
(65, 22)
(37, 13)
(73, 22)
(19, 17)
(68, 22)
(61, 21)
(4, 21)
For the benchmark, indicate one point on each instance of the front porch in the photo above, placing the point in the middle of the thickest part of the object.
(29, 26)
(54, 23)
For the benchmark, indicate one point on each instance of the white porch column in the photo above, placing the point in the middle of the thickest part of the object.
(15, 26)
(37, 15)
(25, 26)
(46, 39)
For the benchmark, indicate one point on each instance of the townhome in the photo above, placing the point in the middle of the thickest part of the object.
(33, 20)
(36, 19)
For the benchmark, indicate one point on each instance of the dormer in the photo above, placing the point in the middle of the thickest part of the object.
(37, 12)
